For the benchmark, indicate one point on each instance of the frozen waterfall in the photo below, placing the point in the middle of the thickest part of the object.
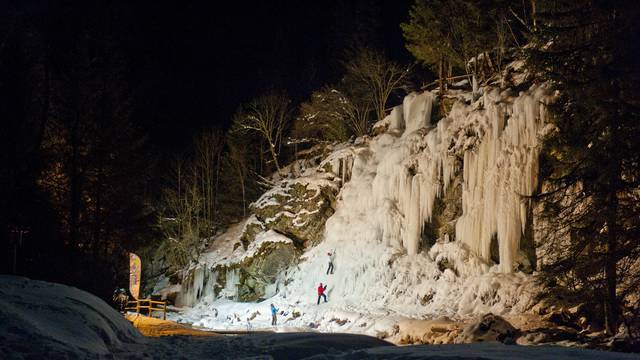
(497, 140)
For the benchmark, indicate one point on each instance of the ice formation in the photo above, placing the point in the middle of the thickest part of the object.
(500, 169)
(395, 181)
(389, 187)
(500, 174)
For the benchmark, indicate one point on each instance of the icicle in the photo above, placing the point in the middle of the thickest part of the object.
(417, 111)
(474, 92)
(401, 177)
(414, 220)
(502, 169)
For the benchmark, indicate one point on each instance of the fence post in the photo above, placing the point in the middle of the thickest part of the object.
(165, 310)
(137, 306)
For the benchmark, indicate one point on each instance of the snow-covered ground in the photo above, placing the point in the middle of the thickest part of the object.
(45, 320)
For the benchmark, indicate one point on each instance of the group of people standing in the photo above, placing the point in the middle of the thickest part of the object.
(321, 288)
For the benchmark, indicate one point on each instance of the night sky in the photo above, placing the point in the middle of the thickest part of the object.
(190, 64)
(193, 63)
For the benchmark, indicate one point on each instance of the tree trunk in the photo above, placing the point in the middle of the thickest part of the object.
(443, 88)
(261, 157)
(244, 202)
(97, 225)
(275, 157)
(610, 266)
(533, 15)
(610, 273)
(46, 97)
(215, 195)
(74, 213)
(441, 75)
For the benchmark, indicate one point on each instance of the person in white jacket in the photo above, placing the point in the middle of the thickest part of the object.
(332, 257)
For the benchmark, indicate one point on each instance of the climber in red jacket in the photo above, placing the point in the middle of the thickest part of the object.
(321, 293)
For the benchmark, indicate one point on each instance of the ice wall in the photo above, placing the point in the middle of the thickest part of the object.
(395, 179)
(390, 184)
(497, 140)
(500, 174)
(197, 286)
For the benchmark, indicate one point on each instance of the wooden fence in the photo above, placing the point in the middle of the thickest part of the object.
(148, 305)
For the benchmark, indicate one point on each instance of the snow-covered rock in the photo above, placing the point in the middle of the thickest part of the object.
(58, 322)
(488, 328)
(298, 207)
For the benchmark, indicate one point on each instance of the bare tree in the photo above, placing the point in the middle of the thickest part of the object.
(379, 74)
(180, 219)
(357, 114)
(237, 159)
(268, 115)
(208, 148)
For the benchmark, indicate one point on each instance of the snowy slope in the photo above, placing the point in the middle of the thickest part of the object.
(60, 321)
(40, 320)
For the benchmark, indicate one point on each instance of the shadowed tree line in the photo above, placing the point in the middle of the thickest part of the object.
(75, 165)
(590, 200)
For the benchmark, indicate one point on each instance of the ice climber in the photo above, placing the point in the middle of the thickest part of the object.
(321, 293)
(332, 257)
(274, 313)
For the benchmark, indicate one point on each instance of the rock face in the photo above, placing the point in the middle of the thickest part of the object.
(261, 270)
(297, 209)
(240, 265)
(488, 328)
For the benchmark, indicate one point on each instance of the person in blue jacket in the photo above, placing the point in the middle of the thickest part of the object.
(274, 313)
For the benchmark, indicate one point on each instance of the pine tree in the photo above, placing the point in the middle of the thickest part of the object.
(589, 51)
(466, 37)
(445, 34)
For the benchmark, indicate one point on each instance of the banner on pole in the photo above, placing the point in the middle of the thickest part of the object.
(135, 269)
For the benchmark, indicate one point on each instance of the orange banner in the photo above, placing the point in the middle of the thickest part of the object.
(135, 270)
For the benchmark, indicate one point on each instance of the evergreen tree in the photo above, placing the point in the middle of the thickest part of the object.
(466, 37)
(71, 177)
(445, 34)
(589, 50)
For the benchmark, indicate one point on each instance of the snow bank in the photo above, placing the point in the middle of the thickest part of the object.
(44, 320)
(59, 321)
